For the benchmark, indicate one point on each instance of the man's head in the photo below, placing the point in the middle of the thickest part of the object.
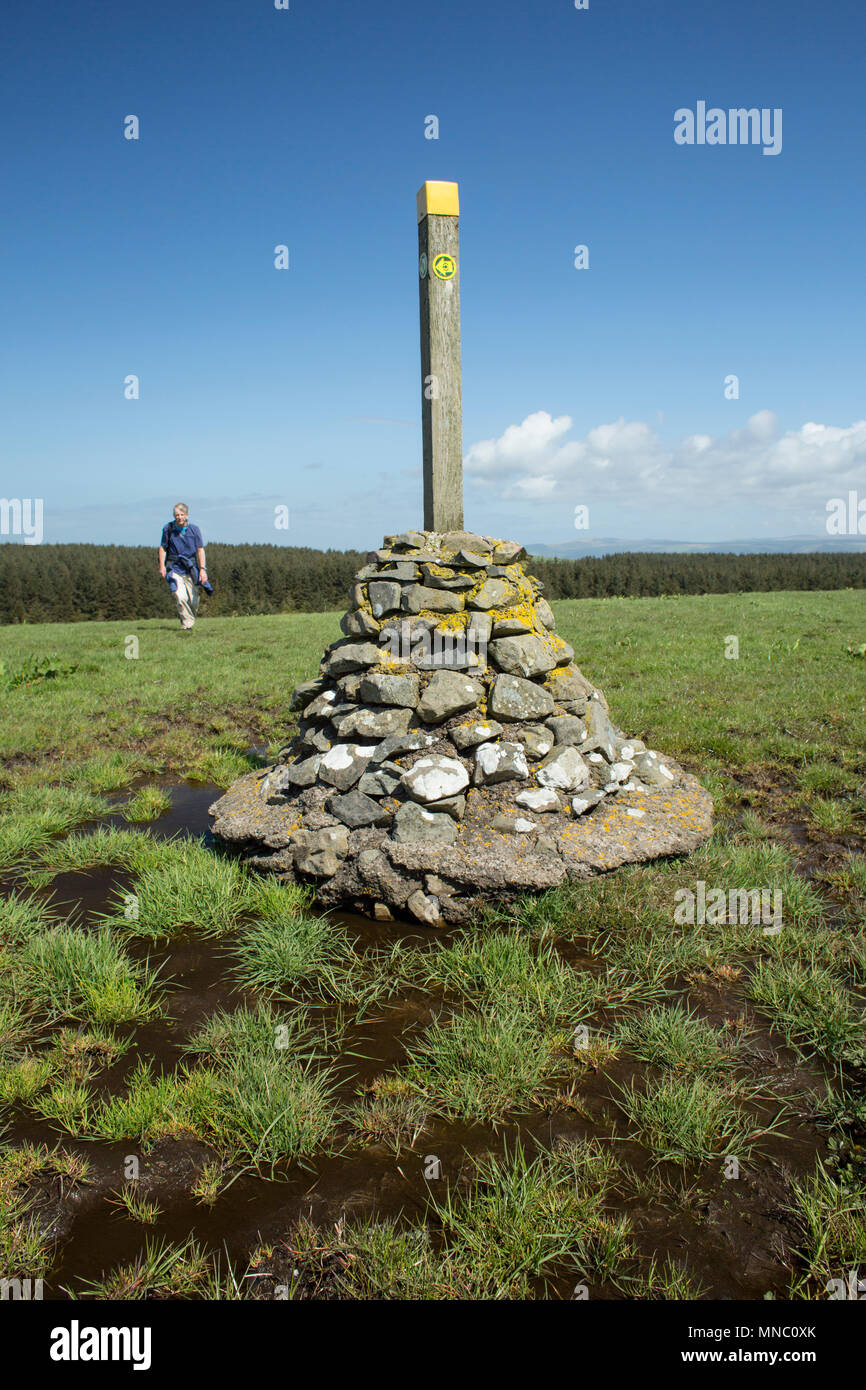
(181, 514)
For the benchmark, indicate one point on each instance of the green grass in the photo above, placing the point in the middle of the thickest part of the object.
(510, 969)
(189, 889)
(33, 816)
(288, 949)
(508, 1226)
(260, 1093)
(166, 1271)
(673, 1037)
(68, 973)
(777, 735)
(480, 1066)
(812, 1008)
(683, 1118)
(148, 803)
(831, 1220)
(106, 847)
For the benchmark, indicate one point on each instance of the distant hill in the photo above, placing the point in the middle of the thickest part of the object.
(774, 545)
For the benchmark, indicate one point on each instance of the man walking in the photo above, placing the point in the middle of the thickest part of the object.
(182, 563)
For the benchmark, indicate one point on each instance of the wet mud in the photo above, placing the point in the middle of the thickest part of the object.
(733, 1237)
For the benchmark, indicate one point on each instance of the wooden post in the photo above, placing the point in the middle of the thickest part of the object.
(441, 394)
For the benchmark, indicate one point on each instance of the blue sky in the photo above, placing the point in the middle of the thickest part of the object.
(602, 387)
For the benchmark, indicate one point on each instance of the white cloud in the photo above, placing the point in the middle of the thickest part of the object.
(629, 460)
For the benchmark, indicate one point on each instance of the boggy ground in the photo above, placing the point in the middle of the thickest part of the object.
(209, 1089)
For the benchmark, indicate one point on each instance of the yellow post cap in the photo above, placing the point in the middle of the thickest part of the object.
(438, 198)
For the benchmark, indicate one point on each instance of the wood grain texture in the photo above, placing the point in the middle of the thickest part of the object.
(441, 391)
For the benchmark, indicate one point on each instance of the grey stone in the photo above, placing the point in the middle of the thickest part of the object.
(447, 578)
(321, 863)
(514, 698)
(618, 773)
(472, 559)
(383, 689)
(435, 777)
(305, 772)
(404, 572)
(315, 741)
(305, 692)
(344, 764)
(384, 596)
(377, 874)
(494, 593)
(630, 748)
(544, 613)
(653, 770)
(397, 744)
(600, 737)
(522, 656)
(319, 853)
(425, 907)
(476, 731)
(355, 810)
(455, 541)
(333, 837)
(447, 693)
(407, 540)
(359, 623)
(352, 656)
(567, 683)
(419, 598)
(508, 553)
(478, 626)
(374, 723)
(567, 728)
(322, 707)
(454, 806)
(538, 799)
(413, 823)
(586, 800)
(511, 627)
(576, 707)
(536, 739)
(499, 762)
(563, 770)
(439, 887)
(384, 781)
(349, 688)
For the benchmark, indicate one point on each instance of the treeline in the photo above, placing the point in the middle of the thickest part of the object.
(71, 583)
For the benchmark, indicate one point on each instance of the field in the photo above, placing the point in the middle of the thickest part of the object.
(209, 1090)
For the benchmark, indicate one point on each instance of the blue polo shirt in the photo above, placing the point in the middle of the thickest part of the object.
(180, 546)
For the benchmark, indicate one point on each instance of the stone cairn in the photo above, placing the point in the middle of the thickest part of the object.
(451, 753)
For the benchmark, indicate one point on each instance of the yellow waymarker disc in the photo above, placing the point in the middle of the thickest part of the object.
(444, 266)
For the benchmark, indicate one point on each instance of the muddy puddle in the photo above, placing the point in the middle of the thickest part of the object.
(187, 815)
(733, 1237)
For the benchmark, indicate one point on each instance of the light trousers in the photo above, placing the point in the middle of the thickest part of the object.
(186, 596)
